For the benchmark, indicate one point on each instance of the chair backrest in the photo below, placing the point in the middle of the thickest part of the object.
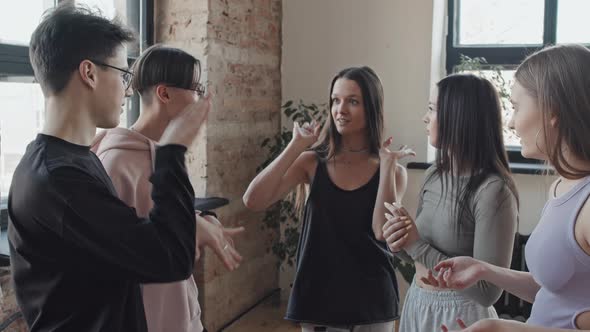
(14, 322)
(510, 306)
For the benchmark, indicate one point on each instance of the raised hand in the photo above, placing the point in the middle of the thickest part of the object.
(184, 128)
(391, 157)
(306, 134)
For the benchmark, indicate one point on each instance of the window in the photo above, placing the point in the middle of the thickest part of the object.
(504, 32)
(21, 117)
(18, 22)
(21, 100)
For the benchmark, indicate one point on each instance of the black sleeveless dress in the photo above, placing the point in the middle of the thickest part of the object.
(344, 276)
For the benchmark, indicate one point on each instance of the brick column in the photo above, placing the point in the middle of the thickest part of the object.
(239, 44)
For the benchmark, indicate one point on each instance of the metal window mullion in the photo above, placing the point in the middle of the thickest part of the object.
(550, 22)
(144, 18)
(147, 23)
(451, 57)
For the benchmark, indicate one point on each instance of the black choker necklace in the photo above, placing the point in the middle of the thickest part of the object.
(355, 151)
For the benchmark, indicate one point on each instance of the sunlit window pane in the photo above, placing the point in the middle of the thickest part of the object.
(500, 22)
(21, 118)
(572, 21)
(18, 19)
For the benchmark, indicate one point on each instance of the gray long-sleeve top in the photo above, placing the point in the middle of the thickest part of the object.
(485, 233)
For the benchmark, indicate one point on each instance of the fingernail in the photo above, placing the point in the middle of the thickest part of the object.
(408, 221)
(387, 205)
(388, 216)
(408, 227)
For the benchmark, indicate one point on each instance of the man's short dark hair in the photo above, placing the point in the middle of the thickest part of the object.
(68, 35)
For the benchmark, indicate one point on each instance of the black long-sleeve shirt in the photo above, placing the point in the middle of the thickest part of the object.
(78, 253)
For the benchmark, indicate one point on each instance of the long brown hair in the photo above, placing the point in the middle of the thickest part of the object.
(330, 141)
(470, 140)
(558, 77)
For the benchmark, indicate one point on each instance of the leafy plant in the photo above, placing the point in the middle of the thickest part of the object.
(283, 212)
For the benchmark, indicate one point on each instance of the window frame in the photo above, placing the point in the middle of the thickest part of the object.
(497, 54)
(14, 61)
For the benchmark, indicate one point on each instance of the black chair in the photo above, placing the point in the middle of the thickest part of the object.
(9, 322)
(510, 306)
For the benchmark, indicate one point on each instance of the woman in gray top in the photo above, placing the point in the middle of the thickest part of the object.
(552, 118)
(468, 204)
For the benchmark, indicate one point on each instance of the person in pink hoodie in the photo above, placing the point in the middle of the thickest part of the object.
(167, 80)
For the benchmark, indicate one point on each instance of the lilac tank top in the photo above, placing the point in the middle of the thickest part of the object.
(558, 263)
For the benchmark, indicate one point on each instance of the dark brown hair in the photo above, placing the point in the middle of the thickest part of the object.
(330, 141)
(68, 35)
(161, 64)
(470, 139)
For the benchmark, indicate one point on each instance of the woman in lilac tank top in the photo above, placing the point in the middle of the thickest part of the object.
(551, 98)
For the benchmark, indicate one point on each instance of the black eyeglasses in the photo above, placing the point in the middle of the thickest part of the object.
(199, 89)
(126, 76)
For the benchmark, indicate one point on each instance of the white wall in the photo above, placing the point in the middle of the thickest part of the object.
(392, 36)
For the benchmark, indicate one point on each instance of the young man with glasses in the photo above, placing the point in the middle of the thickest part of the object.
(78, 252)
(167, 80)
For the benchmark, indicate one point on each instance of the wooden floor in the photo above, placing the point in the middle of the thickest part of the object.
(266, 317)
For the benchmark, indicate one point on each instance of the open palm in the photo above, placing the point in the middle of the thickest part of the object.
(385, 154)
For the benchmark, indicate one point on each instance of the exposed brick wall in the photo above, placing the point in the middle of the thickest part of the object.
(239, 44)
(183, 24)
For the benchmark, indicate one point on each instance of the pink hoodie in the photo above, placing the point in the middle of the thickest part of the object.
(128, 158)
